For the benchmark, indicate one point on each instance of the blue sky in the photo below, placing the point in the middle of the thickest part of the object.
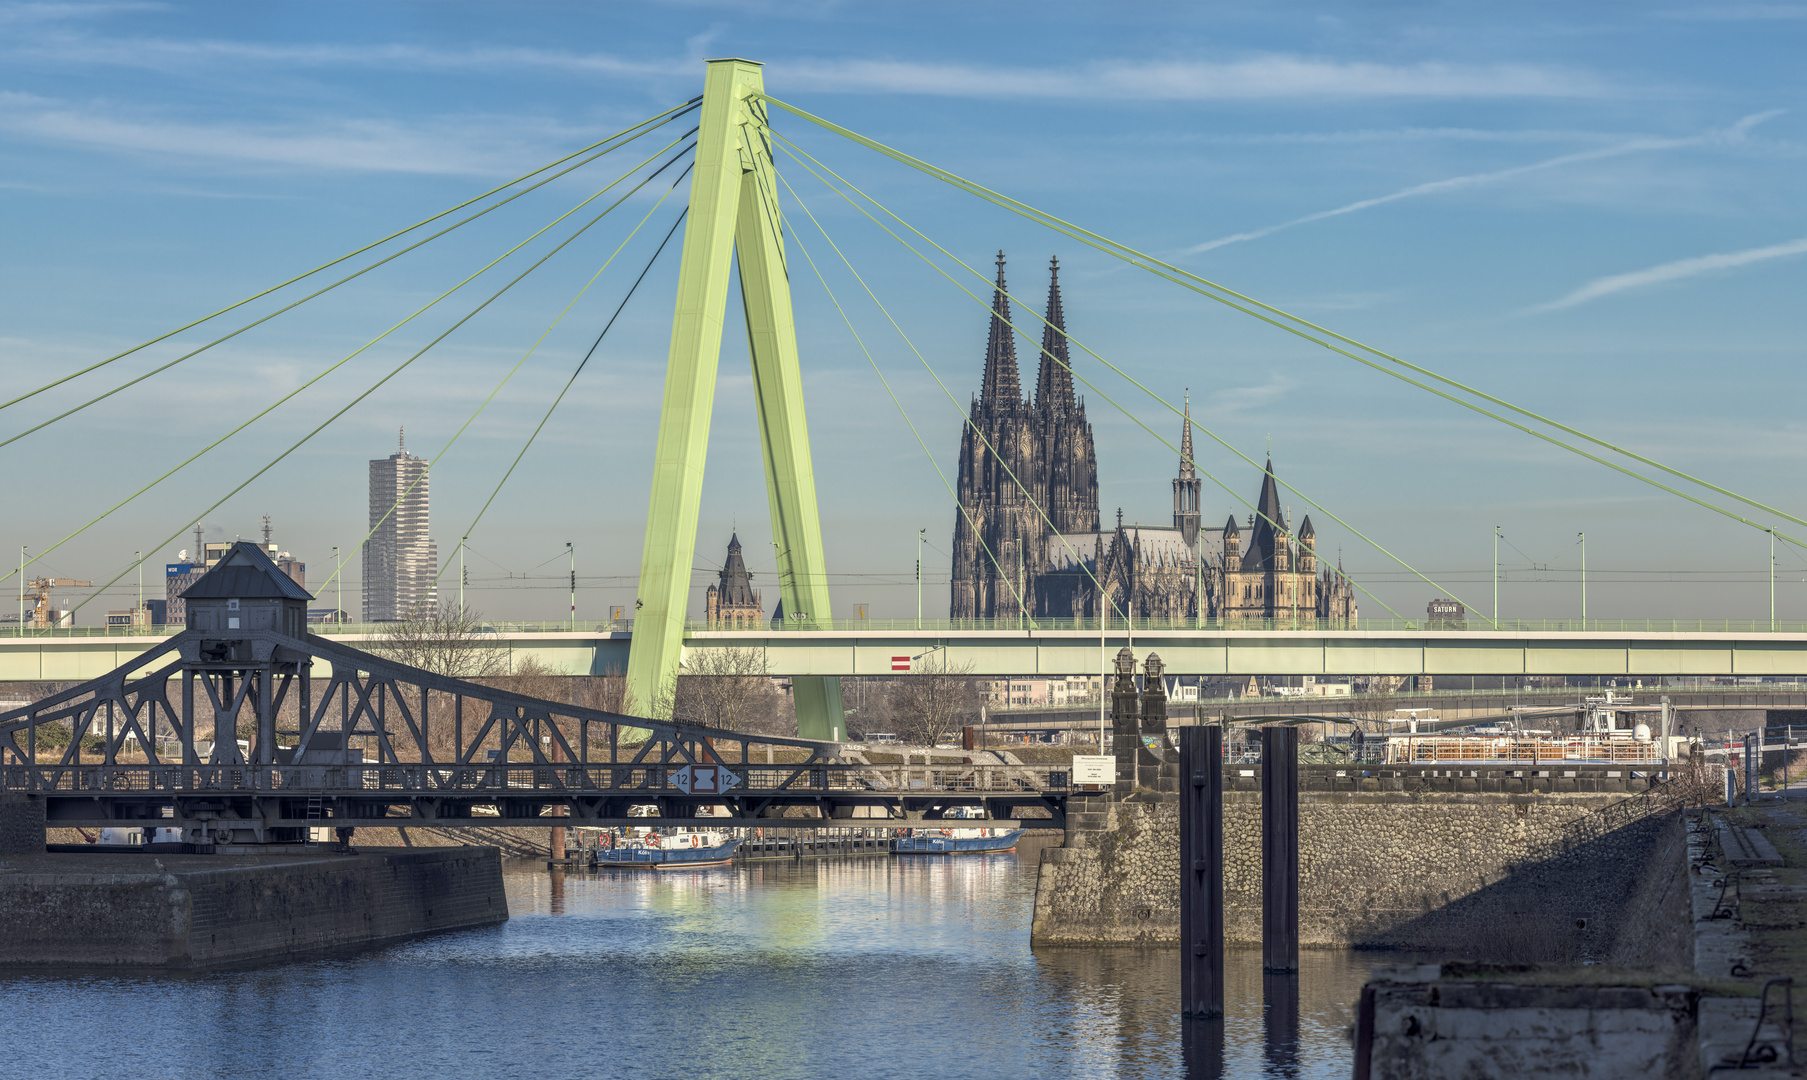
(1595, 211)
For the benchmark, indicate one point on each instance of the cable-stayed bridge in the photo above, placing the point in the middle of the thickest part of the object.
(744, 216)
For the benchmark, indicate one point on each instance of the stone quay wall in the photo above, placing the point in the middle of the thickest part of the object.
(21, 825)
(1474, 874)
(128, 910)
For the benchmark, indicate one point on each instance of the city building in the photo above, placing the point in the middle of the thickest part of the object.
(400, 561)
(1067, 690)
(733, 603)
(1027, 536)
(182, 573)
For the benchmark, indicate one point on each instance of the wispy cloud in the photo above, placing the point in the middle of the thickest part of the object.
(1674, 271)
(1239, 399)
(1737, 13)
(1255, 77)
(20, 14)
(467, 146)
(1266, 76)
(167, 54)
(1733, 134)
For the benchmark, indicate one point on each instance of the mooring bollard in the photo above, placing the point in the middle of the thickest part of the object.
(1201, 872)
(1280, 848)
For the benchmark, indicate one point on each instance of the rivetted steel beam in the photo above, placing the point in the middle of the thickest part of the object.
(1280, 848)
(1201, 872)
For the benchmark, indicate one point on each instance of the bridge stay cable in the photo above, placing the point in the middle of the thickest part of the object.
(650, 124)
(290, 307)
(791, 148)
(965, 418)
(393, 372)
(361, 349)
(492, 394)
(1202, 286)
(774, 212)
(1008, 579)
(568, 384)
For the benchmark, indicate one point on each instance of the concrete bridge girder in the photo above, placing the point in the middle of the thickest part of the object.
(996, 652)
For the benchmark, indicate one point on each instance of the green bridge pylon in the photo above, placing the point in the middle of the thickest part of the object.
(733, 213)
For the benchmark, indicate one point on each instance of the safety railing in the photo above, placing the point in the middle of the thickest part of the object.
(514, 779)
(954, 626)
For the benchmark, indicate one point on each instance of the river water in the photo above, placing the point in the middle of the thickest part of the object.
(862, 968)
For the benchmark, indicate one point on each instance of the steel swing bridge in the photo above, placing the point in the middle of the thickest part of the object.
(733, 221)
(442, 752)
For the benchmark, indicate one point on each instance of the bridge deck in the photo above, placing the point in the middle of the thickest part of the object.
(1663, 648)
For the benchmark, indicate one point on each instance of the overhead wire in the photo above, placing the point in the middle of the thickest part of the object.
(1202, 286)
(391, 374)
(97, 399)
(792, 149)
(421, 477)
(369, 344)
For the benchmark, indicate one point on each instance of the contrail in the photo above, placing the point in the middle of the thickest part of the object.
(1734, 133)
(1674, 271)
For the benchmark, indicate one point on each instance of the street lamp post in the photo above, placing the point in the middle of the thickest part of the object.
(461, 577)
(339, 578)
(573, 553)
(1772, 579)
(139, 556)
(920, 534)
(1496, 577)
(1583, 580)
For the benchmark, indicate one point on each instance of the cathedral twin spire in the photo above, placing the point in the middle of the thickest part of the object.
(1002, 387)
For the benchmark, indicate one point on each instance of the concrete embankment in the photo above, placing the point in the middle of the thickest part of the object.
(1457, 873)
(185, 911)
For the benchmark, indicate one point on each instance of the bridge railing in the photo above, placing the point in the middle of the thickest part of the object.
(1092, 626)
(524, 780)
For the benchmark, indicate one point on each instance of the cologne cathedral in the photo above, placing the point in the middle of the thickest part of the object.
(1028, 536)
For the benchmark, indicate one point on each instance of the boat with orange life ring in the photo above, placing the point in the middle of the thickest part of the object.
(649, 849)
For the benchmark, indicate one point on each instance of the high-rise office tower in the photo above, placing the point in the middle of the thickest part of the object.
(400, 561)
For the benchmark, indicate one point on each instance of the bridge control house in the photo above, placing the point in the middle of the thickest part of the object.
(245, 592)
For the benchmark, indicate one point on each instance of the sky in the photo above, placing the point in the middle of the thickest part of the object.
(1593, 211)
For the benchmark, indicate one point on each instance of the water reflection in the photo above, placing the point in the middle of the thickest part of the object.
(1280, 1022)
(868, 967)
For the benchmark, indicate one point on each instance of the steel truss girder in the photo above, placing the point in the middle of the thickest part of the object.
(393, 707)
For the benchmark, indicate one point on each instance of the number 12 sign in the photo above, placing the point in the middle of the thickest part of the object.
(704, 779)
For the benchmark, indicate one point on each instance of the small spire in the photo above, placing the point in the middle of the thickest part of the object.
(1187, 471)
(402, 439)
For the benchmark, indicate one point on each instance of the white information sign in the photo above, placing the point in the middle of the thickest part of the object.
(1094, 769)
(704, 779)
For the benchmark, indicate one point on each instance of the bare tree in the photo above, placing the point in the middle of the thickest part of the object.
(448, 641)
(729, 688)
(933, 700)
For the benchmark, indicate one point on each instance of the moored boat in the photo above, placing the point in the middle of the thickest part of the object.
(648, 849)
(957, 841)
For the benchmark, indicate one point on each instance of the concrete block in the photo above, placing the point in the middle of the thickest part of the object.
(185, 911)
